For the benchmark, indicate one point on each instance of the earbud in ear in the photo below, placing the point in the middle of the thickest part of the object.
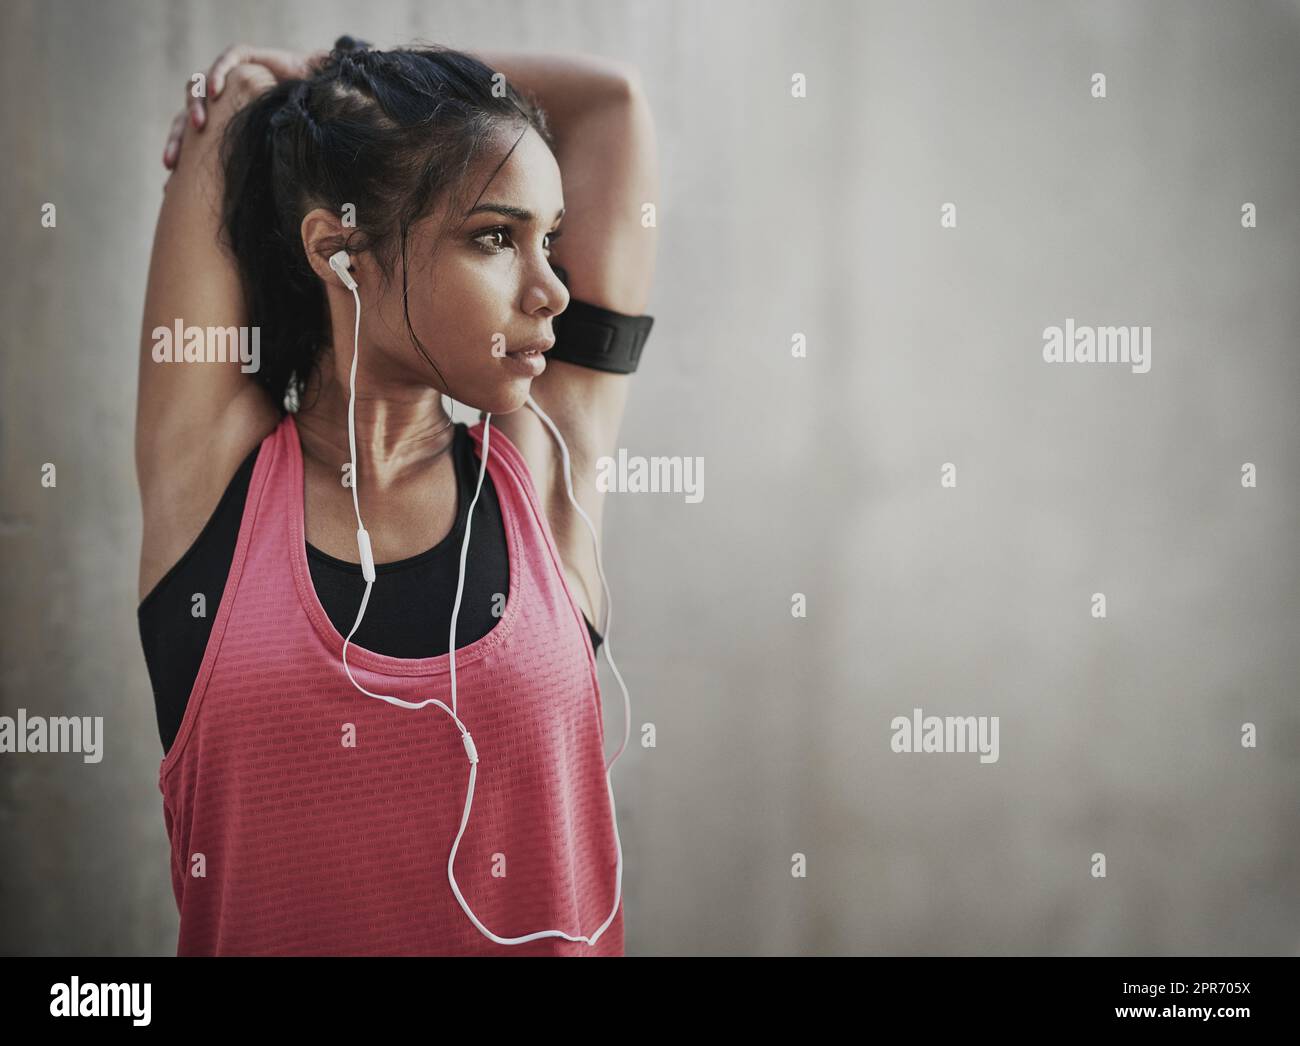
(339, 263)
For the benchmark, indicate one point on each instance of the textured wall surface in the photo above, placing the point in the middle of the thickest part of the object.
(819, 215)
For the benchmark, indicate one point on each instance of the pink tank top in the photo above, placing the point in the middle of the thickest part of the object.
(288, 838)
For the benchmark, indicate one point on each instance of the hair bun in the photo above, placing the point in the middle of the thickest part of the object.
(351, 43)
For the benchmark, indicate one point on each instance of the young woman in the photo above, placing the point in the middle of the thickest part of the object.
(342, 775)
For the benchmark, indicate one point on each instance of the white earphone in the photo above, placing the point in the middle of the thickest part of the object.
(339, 263)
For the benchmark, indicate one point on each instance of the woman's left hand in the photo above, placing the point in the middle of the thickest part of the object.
(283, 65)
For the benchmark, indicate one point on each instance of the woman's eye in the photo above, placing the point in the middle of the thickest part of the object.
(487, 239)
(488, 233)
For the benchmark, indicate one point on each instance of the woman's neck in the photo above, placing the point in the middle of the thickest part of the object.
(400, 430)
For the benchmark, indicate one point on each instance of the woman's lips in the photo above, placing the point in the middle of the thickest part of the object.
(526, 362)
(540, 345)
(530, 361)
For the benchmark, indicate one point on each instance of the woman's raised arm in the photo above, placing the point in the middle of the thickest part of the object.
(195, 421)
(607, 154)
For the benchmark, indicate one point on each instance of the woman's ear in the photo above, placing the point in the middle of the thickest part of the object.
(323, 235)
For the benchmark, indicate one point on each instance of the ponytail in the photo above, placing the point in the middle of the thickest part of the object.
(285, 298)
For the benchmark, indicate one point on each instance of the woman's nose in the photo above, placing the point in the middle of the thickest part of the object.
(549, 293)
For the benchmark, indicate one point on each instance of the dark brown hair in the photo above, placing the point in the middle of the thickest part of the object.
(389, 132)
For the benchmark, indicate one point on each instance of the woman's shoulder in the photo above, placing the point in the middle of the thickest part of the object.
(216, 538)
(180, 495)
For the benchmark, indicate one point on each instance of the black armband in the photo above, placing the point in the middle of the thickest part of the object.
(592, 336)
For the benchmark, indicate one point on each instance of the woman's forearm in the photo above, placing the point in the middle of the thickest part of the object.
(193, 279)
(606, 150)
(566, 86)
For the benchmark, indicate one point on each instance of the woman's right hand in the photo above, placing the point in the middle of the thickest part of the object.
(280, 64)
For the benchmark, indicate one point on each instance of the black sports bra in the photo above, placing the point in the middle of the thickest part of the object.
(401, 620)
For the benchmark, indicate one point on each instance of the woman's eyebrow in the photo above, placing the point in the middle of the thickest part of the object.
(518, 213)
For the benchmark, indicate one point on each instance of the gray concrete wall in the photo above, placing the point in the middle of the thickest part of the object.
(819, 215)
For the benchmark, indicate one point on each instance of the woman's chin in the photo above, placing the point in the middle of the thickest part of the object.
(506, 398)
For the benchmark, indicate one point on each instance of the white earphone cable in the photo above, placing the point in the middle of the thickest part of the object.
(368, 570)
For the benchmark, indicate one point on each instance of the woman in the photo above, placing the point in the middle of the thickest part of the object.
(341, 777)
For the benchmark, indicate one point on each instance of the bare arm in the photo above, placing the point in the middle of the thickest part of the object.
(194, 421)
(606, 151)
(605, 147)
